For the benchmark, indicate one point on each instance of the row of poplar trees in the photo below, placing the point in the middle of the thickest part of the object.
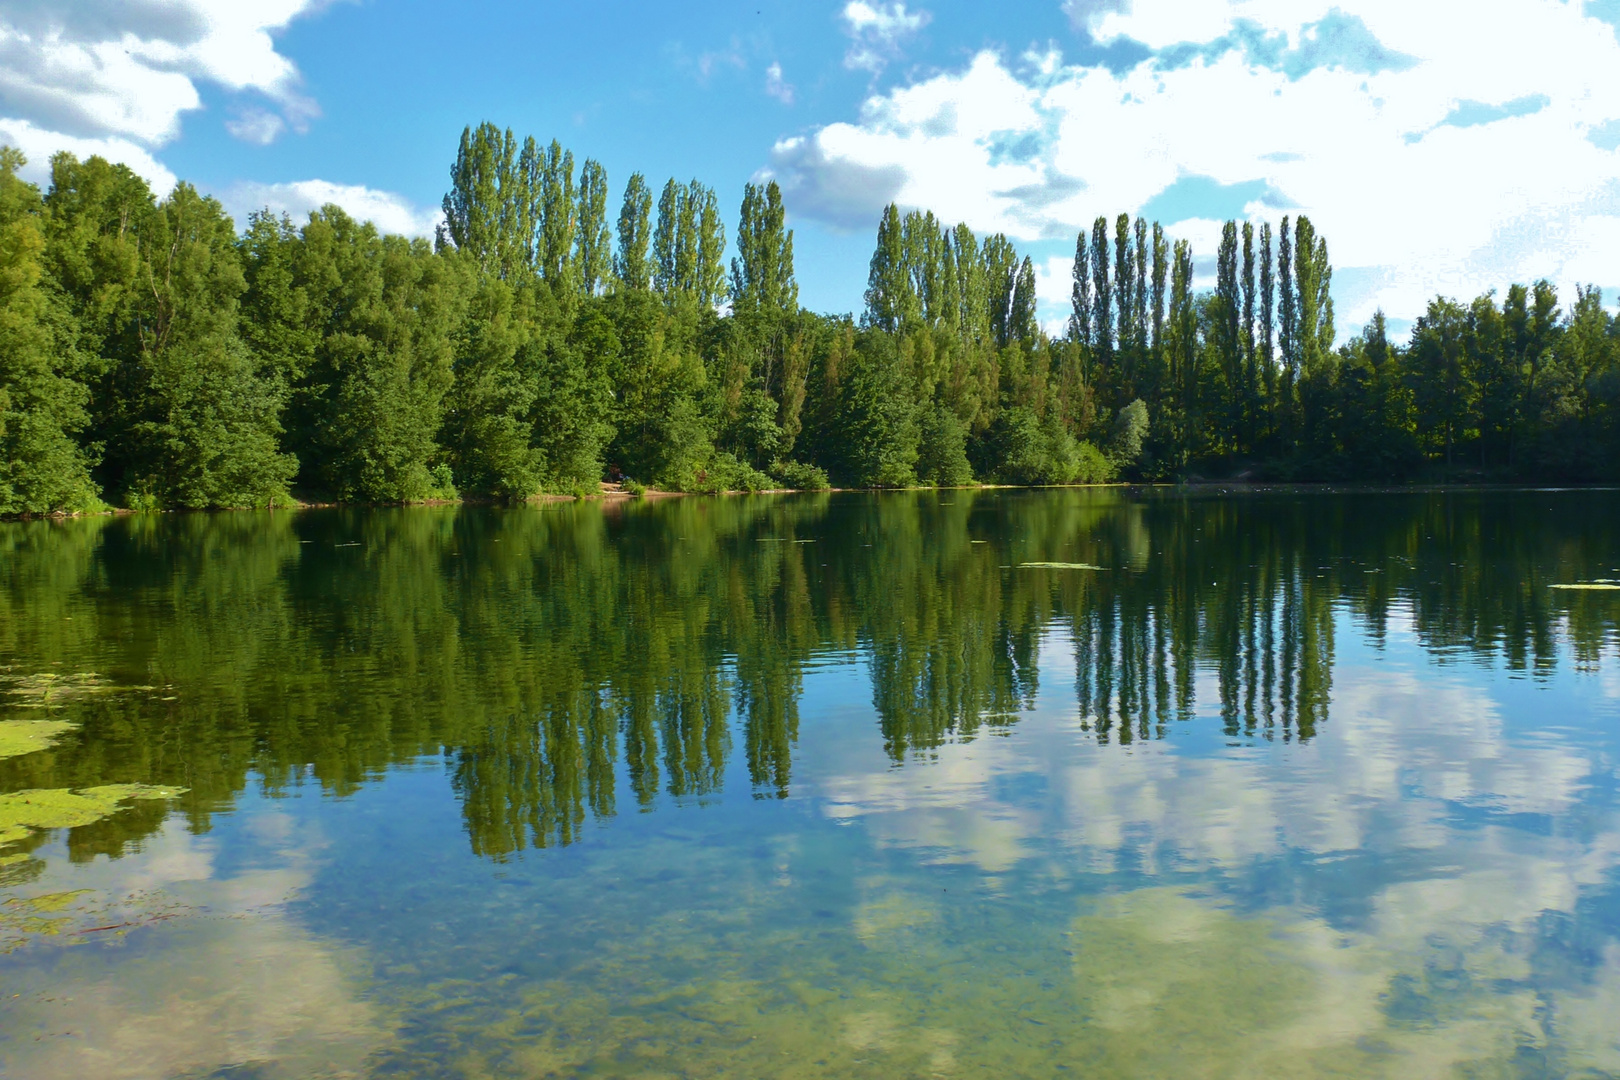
(154, 355)
(1245, 378)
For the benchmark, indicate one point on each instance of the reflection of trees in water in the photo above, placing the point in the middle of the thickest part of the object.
(555, 654)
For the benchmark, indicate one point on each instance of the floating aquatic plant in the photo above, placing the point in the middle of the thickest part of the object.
(21, 812)
(49, 689)
(1057, 566)
(19, 737)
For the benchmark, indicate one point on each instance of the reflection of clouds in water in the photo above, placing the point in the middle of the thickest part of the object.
(1385, 774)
(234, 982)
(1414, 770)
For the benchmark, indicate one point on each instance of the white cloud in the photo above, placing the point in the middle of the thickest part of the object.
(390, 212)
(877, 31)
(38, 145)
(119, 76)
(1349, 112)
(776, 86)
(259, 126)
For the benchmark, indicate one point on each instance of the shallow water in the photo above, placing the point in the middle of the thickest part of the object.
(1293, 784)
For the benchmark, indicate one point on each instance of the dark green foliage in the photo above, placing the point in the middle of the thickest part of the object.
(368, 411)
(942, 449)
(876, 426)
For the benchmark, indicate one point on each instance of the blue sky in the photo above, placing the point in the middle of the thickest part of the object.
(1437, 152)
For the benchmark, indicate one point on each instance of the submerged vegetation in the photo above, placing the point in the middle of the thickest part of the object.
(153, 355)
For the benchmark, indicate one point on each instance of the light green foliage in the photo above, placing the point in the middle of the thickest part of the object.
(800, 477)
(594, 256)
(188, 414)
(762, 276)
(630, 265)
(1129, 433)
(43, 466)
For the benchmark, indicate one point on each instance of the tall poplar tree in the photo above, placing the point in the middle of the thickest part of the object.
(762, 277)
(1124, 279)
(1251, 380)
(558, 204)
(1181, 346)
(1161, 271)
(1287, 305)
(1023, 324)
(630, 263)
(594, 246)
(1268, 294)
(1228, 311)
(1102, 297)
(1139, 293)
(666, 239)
(709, 254)
(490, 211)
(1080, 294)
(1001, 279)
(1313, 275)
(891, 303)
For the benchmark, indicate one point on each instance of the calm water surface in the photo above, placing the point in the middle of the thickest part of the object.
(1284, 785)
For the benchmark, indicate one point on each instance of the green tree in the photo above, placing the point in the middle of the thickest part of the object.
(1444, 387)
(594, 245)
(630, 264)
(762, 277)
(370, 409)
(490, 211)
(559, 223)
(43, 468)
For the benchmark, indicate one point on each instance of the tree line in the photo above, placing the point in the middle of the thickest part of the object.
(153, 355)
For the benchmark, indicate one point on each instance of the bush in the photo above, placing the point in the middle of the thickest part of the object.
(800, 477)
(722, 472)
(1130, 429)
(942, 449)
(634, 488)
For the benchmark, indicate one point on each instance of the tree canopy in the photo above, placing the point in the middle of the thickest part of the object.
(154, 355)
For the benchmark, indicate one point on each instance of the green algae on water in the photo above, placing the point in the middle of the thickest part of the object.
(1058, 566)
(19, 737)
(22, 812)
(48, 689)
(1589, 586)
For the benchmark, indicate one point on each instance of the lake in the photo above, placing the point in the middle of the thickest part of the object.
(1091, 783)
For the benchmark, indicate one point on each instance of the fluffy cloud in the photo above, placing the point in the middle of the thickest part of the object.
(1438, 153)
(127, 70)
(39, 144)
(390, 212)
(877, 31)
